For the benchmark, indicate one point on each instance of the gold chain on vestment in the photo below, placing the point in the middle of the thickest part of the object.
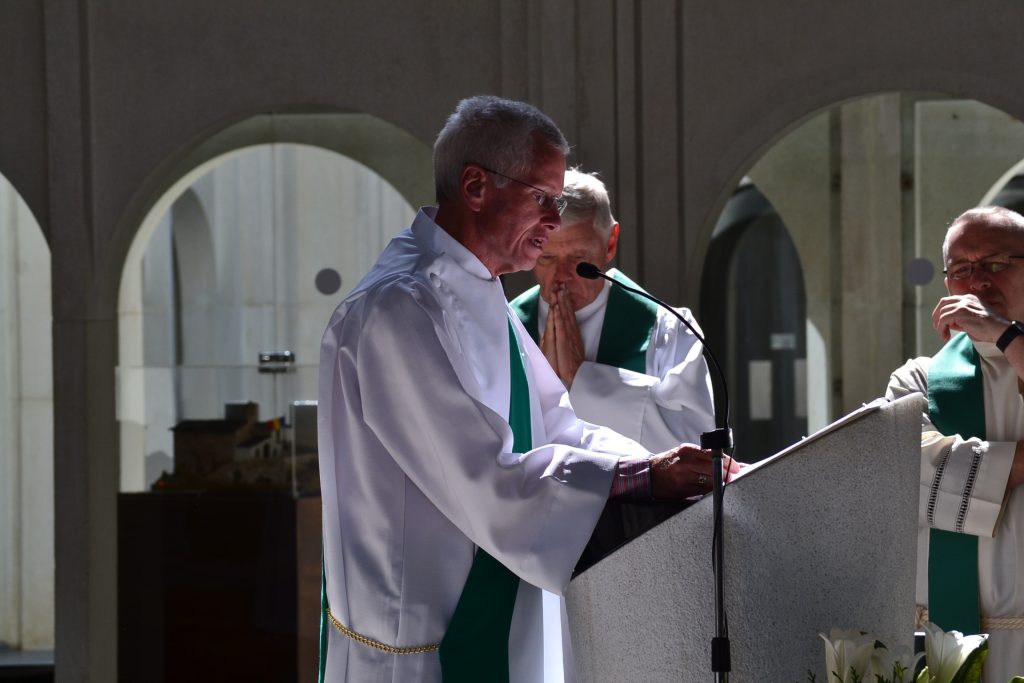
(376, 644)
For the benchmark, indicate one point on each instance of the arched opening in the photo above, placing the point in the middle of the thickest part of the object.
(228, 285)
(865, 190)
(753, 282)
(231, 273)
(26, 433)
(1010, 195)
(1008, 191)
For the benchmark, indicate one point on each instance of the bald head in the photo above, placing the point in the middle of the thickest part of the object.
(985, 219)
(982, 255)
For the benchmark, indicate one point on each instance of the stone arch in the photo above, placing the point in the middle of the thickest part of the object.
(398, 157)
(194, 265)
(355, 137)
(178, 266)
(821, 91)
(753, 298)
(1005, 178)
(866, 186)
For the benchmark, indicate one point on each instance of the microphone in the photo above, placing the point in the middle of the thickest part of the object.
(590, 271)
(717, 441)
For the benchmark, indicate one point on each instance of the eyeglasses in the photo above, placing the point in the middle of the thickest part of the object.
(964, 269)
(545, 200)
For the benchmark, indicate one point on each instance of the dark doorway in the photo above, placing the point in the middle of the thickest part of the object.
(753, 308)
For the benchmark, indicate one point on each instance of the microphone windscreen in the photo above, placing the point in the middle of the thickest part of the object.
(588, 270)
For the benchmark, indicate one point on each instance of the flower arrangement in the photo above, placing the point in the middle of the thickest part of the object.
(856, 657)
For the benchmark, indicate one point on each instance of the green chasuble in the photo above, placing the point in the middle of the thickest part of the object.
(475, 646)
(956, 405)
(626, 333)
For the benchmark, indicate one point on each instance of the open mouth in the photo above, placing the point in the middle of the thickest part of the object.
(537, 242)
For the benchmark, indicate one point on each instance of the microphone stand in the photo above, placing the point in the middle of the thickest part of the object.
(717, 441)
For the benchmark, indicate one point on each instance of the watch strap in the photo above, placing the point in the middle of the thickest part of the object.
(1012, 332)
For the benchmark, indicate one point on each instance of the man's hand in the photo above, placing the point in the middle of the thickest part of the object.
(965, 312)
(686, 472)
(562, 343)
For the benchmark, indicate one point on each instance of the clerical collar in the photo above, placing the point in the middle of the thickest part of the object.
(437, 240)
(596, 305)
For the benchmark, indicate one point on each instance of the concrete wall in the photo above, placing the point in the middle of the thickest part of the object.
(674, 101)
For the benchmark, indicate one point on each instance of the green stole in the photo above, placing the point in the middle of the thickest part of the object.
(324, 624)
(475, 646)
(956, 405)
(626, 333)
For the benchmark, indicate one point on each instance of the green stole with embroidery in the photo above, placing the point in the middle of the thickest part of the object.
(956, 405)
(475, 646)
(626, 333)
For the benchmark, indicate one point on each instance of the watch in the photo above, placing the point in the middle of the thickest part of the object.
(1012, 332)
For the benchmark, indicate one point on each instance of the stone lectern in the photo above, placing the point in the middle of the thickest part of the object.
(823, 534)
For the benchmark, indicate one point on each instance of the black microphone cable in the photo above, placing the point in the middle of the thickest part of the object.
(591, 272)
(720, 439)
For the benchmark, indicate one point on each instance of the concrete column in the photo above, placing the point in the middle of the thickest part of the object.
(659, 143)
(870, 238)
(795, 176)
(85, 444)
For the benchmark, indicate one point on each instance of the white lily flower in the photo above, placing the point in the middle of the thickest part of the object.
(884, 663)
(946, 652)
(847, 652)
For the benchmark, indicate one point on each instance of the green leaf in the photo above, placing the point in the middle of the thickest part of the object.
(923, 676)
(970, 671)
(1016, 679)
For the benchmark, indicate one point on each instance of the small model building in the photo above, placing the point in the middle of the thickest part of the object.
(237, 452)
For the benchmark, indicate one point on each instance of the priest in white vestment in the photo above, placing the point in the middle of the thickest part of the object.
(658, 391)
(428, 384)
(970, 482)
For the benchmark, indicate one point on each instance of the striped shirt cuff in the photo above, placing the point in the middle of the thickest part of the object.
(632, 480)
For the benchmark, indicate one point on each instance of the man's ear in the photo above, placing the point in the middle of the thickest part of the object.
(613, 244)
(473, 185)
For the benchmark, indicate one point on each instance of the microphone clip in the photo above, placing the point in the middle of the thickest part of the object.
(717, 439)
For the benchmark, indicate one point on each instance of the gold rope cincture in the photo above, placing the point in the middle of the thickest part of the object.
(1002, 624)
(988, 624)
(376, 644)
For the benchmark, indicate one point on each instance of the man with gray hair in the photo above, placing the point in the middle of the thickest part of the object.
(628, 364)
(971, 541)
(459, 489)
